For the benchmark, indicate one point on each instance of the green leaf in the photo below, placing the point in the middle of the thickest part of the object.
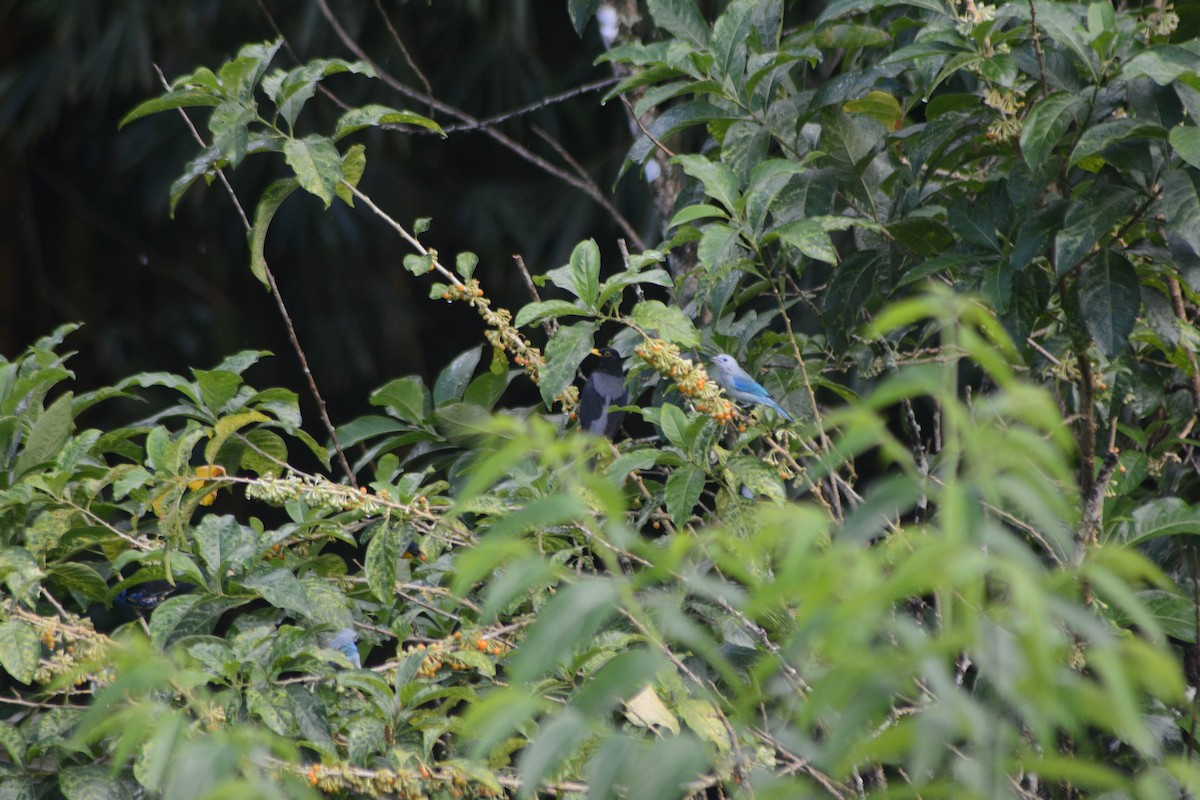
(452, 381)
(850, 288)
(729, 39)
(229, 125)
(95, 782)
(718, 179)
(546, 309)
(383, 553)
(693, 213)
(1063, 23)
(614, 285)
(674, 120)
(674, 424)
(373, 115)
(669, 321)
(757, 476)
(997, 284)
(317, 164)
(354, 164)
(1185, 140)
(49, 435)
(20, 650)
(405, 397)
(177, 98)
(879, 105)
(280, 588)
(683, 492)
(465, 263)
(1048, 120)
(1109, 300)
(209, 160)
(268, 204)
(419, 264)
(720, 245)
(224, 544)
(564, 353)
(681, 18)
(13, 741)
(174, 98)
(298, 86)
(571, 619)
(1087, 220)
(217, 387)
(1161, 516)
(1163, 64)
(78, 579)
(810, 238)
(581, 11)
(1098, 137)
(239, 76)
(266, 452)
(585, 271)
(553, 744)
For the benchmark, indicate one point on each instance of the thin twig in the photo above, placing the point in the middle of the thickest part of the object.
(1182, 316)
(548, 325)
(1037, 48)
(588, 186)
(645, 131)
(283, 312)
(537, 105)
(412, 64)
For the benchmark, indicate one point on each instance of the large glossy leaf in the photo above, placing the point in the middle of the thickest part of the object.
(268, 204)
(317, 164)
(564, 353)
(681, 18)
(1048, 120)
(1087, 220)
(1109, 299)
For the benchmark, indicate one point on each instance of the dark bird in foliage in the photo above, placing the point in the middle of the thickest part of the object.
(145, 597)
(605, 387)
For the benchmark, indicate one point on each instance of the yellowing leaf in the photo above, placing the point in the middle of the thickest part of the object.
(203, 473)
(647, 710)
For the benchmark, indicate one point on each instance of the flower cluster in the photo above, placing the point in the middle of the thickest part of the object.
(316, 491)
(405, 784)
(505, 337)
(442, 654)
(502, 335)
(692, 379)
(72, 641)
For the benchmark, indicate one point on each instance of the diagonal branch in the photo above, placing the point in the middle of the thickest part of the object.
(585, 185)
(283, 312)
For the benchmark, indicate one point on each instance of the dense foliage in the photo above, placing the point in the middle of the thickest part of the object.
(959, 245)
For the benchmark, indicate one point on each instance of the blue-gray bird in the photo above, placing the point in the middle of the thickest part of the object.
(605, 387)
(343, 641)
(738, 384)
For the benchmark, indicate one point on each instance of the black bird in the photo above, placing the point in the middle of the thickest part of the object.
(605, 387)
(143, 598)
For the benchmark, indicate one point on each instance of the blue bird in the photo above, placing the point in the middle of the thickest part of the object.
(738, 384)
(343, 641)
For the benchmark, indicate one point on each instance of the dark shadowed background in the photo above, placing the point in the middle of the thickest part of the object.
(86, 235)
